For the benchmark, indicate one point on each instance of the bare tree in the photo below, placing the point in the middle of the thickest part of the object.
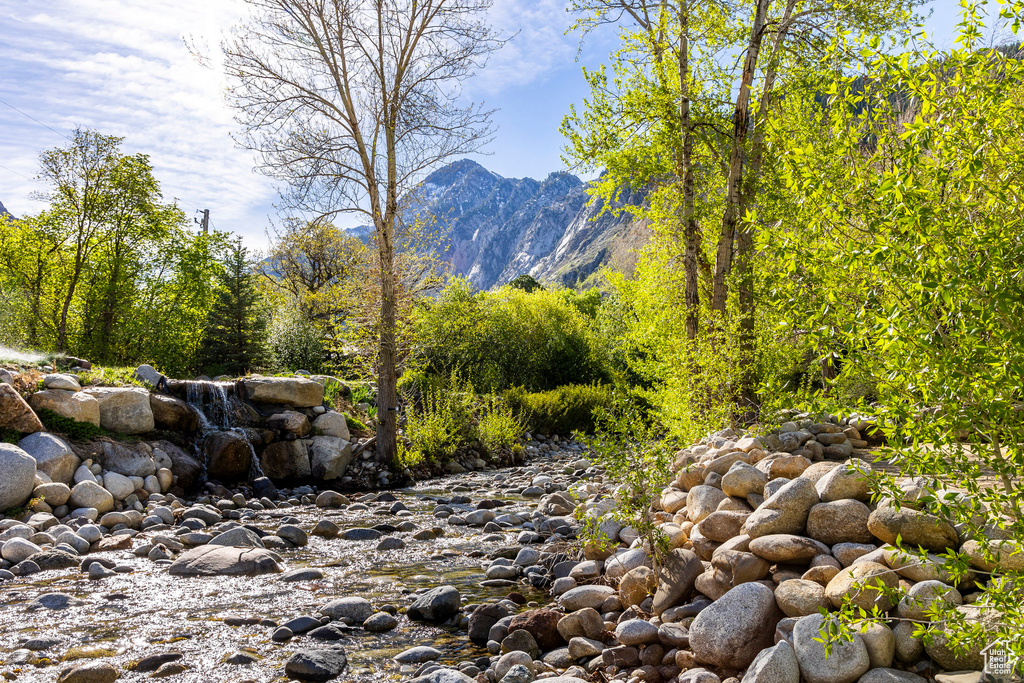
(350, 102)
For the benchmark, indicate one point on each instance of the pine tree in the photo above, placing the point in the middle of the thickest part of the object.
(235, 339)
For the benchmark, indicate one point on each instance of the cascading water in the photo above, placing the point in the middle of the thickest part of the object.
(213, 403)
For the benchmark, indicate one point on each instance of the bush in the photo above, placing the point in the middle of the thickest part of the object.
(437, 424)
(560, 411)
(295, 343)
(354, 424)
(538, 340)
(499, 426)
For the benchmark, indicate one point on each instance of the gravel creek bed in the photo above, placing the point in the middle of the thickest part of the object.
(129, 616)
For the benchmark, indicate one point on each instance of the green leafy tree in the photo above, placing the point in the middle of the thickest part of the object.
(235, 339)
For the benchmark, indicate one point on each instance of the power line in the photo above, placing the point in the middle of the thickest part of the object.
(34, 119)
(15, 172)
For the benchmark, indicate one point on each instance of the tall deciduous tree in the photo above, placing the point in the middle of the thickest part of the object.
(350, 102)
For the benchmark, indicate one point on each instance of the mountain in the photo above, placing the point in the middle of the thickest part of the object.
(499, 228)
(4, 213)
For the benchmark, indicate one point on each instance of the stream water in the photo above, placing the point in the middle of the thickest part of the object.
(126, 617)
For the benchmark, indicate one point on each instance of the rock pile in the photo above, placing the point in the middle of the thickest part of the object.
(766, 534)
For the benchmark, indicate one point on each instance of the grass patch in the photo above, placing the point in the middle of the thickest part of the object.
(78, 431)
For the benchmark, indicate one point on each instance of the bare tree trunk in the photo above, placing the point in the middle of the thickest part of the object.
(691, 231)
(740, 124)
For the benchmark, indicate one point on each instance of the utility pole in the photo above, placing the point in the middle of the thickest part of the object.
(205, 223)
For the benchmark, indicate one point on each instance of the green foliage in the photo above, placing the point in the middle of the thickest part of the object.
(499, 427)
(525, 282)
(439, 424)
(539, 340)
(355, 424)
(295, 342)
(235, 336)
(78, 431)
(9, 436)
(567, 409)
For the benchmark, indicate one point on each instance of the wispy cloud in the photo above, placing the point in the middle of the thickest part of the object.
(122, 68)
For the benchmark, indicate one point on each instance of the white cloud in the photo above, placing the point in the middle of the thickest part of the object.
(121, 67)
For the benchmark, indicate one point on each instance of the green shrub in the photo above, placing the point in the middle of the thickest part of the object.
(295, 343)
(355, 424)
(9, 436)
(539, 340)
(559, 411)
(78, 431)
(499, 427)
(438, 423)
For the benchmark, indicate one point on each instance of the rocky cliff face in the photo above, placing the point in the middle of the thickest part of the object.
(499, 228)
(4, 213)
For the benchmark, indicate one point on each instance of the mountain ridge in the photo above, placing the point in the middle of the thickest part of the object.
(498, 228)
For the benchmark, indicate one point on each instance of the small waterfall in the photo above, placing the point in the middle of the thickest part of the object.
(255, 471)
(210, 399)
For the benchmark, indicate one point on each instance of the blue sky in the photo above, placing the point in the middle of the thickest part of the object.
(121, 67)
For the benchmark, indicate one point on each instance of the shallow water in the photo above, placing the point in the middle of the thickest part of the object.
(130, 616)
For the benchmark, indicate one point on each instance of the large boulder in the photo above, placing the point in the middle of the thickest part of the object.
(184, 466)
(785, 512)
(841, 521)
(317, 665)
(285, 460)
(89, 494)
(942, 648)
(866, 584)
(17, 476)
(542, 624)
(913, 527)
(329, 457)
(214, 560)
(53, 456)
(124, 410)
(15, 414)
(129, 461)
(298, 392)
(436, 605)
(679, 571)
(332, 424)
(173, 414)
(847, 481)
(731, 631)
(847, 660)
(61, 381)
(73, 405)
(228, 456)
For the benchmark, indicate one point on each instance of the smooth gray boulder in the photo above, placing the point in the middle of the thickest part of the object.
(18, 476)
(213, 560)
(774, 665)
(731, 631)
(436, 605)
(77, 406)
(124, 410)
(847, 661)
(329, 456)
(53, 456)
(785, 512)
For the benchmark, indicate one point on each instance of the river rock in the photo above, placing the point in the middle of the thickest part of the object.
(798, 597)
(742, 479)
(351, 610)
(841, 521)
(585, 596)
(89, 494)
(131, 461)
(885, 675)
(731, 631)
(1005, 555)
(847, 481)
(329, 456)
(213, 560)
(679, 570)
(120, 486)
(89, 672)
(53, 456)
(19, 475)
(436, 605)
(721, 525)
(286, 459)
(228, 456)
(859, 584)
(76, 406)
(787, 548)
(332, 424)
(785, 512)
(880, 642)
(951, 659)
(17, 550)
(124, 410)
(316, 665)
(239, 537)
(701, 501)
(54, 493)
(846, 662)
(297, 392)
(184, 465)
(542, 624)
(921, 596)
(774, 665)
(636, 585)
(61, 381)
(173, 414)
(482, 619)
(913, 527)
(15, 413)
(584, 623)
